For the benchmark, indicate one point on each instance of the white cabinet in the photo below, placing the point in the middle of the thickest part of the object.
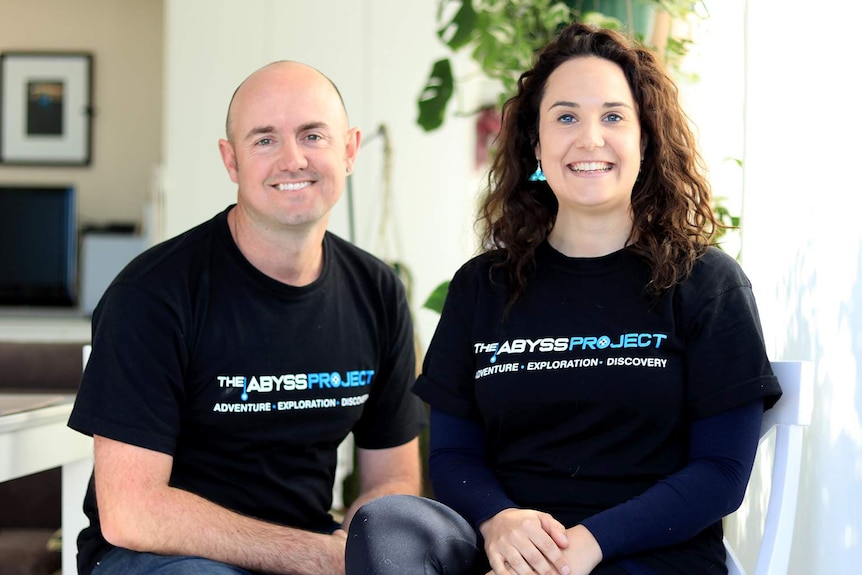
(103, 256)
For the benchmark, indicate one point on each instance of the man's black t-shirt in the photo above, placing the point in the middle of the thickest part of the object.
(249, 384)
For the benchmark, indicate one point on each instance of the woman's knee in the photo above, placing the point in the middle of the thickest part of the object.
(408, 534)
(410, 516)
(389, 514)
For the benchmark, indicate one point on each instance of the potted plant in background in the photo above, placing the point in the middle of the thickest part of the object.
(503, 35)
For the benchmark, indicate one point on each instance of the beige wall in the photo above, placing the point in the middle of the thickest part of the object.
(125, 38)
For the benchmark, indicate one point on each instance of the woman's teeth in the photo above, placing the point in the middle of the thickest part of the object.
(591, 167)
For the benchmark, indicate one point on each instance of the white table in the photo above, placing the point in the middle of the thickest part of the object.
(34, 437)
(44, 326)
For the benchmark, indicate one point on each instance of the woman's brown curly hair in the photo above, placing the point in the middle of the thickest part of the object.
(673, 222)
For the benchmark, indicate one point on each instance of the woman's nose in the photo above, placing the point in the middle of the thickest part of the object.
(590, 135)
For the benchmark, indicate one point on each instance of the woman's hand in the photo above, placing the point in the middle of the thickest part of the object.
(582, 553)
(525, 542)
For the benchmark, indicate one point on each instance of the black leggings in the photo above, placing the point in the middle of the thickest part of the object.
(407, 535)
(411, 536)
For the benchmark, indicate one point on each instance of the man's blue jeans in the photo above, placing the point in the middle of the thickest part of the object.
(121, 561)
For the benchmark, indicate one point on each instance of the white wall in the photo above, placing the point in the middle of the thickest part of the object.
(379, 53)
(802, 242)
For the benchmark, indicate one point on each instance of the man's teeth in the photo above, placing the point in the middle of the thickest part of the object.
(292, 187)
(592, 167)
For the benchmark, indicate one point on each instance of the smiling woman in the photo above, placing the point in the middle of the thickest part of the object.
(586, 454)
(590, 146)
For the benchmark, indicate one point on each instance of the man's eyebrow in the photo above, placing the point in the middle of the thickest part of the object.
(313, 126)
(567, 104)
(258, 130)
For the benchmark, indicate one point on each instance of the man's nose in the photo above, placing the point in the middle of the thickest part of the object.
(292, 157)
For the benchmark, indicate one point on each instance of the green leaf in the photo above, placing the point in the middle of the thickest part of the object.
(602, 20)
(459, 30)
(436, 94)
(437, 297)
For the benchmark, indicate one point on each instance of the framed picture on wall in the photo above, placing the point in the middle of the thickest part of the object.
(46, 108)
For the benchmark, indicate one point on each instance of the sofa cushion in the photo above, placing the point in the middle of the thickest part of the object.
(31, 501)
(28, 367)
(26, 552)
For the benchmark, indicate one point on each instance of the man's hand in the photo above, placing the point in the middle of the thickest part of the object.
(525, 542)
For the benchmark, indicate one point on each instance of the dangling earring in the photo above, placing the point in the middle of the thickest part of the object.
(538, 175)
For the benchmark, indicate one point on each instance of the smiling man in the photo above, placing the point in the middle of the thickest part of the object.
(289, 150)
(230, 362)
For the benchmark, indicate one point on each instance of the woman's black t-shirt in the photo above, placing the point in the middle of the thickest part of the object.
(586, 388)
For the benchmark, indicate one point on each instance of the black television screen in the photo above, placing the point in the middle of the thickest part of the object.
(38, 246)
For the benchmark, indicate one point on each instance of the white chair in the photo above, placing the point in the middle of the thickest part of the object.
(790, 415)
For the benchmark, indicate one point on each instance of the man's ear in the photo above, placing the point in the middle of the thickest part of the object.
(228, 157)
(354, 138)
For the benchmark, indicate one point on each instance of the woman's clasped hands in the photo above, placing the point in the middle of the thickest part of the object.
(530, 542)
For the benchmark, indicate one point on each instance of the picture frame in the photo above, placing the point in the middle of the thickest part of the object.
(46, 109)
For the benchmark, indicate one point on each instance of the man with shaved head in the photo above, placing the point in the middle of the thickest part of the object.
(230, 362)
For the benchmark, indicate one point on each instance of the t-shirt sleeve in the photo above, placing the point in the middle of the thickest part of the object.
(447, 379)
(393, 415)
(131, 389)
(726, 360)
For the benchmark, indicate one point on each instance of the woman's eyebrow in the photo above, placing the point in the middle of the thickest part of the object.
(568, 104)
